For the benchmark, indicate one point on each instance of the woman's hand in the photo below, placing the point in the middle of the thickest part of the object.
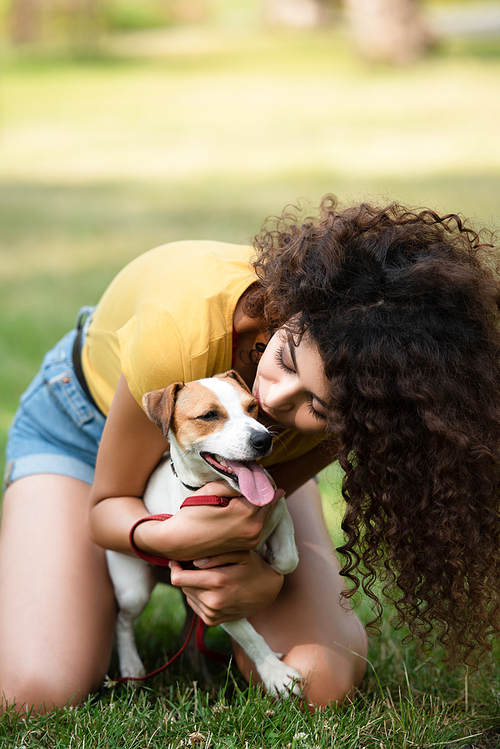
(227, 587)
(205, 531)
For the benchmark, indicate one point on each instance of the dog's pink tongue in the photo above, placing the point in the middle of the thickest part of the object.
(254, 482)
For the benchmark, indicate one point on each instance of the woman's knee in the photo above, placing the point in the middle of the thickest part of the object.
(329, 677)
(43, 690)
(330, 674)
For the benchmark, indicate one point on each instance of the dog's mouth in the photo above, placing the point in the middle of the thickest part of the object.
(250, 477)
(221, 465)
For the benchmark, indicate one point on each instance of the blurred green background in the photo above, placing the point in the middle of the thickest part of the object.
(146, 126)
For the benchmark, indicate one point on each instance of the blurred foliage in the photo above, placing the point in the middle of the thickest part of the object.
(57, 18)
(129, 14)
(143, 14)
(83, 22)
(384, 31)
(54, 16)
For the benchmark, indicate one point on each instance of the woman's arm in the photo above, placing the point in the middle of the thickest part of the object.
(130, 448)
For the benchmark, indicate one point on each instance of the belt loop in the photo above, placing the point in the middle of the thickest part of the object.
(83, 318)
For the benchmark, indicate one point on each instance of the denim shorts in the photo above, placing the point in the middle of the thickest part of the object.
(55, 429)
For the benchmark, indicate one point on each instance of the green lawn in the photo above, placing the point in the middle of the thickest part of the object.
(203, 133)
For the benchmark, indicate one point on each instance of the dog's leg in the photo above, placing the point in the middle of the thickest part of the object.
(278, 677)
(133, 582)
(281, 551)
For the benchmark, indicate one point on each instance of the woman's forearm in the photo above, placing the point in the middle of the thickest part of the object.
(110, 521)
(192, 533)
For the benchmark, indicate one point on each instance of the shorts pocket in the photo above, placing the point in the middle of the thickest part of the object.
(65, 391)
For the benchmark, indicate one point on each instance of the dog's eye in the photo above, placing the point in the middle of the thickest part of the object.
(209, 416)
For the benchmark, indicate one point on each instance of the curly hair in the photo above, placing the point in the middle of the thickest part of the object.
(403, 306)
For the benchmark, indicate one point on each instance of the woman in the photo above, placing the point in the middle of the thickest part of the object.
(379, 333)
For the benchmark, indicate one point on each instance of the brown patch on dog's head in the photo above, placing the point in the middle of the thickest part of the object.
(233, 375)
(159, 405)
(198, 414)
(248, 402)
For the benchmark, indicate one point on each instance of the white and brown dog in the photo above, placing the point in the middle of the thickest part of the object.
(213, 433)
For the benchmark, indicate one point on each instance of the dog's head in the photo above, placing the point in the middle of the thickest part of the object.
(213, 433)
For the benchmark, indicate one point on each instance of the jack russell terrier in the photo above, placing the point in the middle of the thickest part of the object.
(213, 433)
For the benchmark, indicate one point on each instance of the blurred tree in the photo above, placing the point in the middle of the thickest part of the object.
(391, 31)
(295, 13)
(23, 21)
(83, 22)
(78, 22)
(189, 11)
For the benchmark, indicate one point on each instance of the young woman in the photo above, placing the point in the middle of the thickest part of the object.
(368, 333)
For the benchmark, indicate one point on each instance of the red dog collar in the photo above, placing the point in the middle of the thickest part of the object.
(194, 501)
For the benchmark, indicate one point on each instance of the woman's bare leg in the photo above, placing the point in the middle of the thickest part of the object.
(57, 609)
(323, 641)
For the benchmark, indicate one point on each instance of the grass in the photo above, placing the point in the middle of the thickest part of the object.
(202, 133)
(239, 718)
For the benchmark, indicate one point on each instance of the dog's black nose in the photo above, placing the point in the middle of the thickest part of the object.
(262, 441)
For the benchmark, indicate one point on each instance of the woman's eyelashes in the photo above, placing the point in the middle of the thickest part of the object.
(278, 356)
(282, 365)
(316, 414)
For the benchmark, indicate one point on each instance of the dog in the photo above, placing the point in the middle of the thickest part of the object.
(213, 433)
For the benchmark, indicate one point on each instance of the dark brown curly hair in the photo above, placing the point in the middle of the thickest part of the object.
(404, 308)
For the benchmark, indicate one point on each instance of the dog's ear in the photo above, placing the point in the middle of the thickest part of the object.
(235, 376)
(159, 405)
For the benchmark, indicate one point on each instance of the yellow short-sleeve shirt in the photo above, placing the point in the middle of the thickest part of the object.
(168, 317)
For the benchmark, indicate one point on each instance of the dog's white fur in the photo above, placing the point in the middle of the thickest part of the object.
(191, 433)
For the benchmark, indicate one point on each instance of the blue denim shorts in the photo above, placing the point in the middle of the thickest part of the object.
(55, 429)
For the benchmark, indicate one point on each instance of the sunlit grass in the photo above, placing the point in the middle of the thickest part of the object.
(257, 110)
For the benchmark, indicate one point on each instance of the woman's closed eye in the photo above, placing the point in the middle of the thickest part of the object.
(278, 357)
(317, 415)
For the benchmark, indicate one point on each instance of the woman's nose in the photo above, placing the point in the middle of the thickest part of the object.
(282, 396)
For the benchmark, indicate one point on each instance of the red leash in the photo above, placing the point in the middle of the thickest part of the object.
(208, 499)
(162, 668)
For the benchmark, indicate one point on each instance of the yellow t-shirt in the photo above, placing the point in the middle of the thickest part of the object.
(168, 317)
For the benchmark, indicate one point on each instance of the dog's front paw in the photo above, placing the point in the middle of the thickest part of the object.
(131, 666)
(279, 678)
(285, 566)
(284, 558)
